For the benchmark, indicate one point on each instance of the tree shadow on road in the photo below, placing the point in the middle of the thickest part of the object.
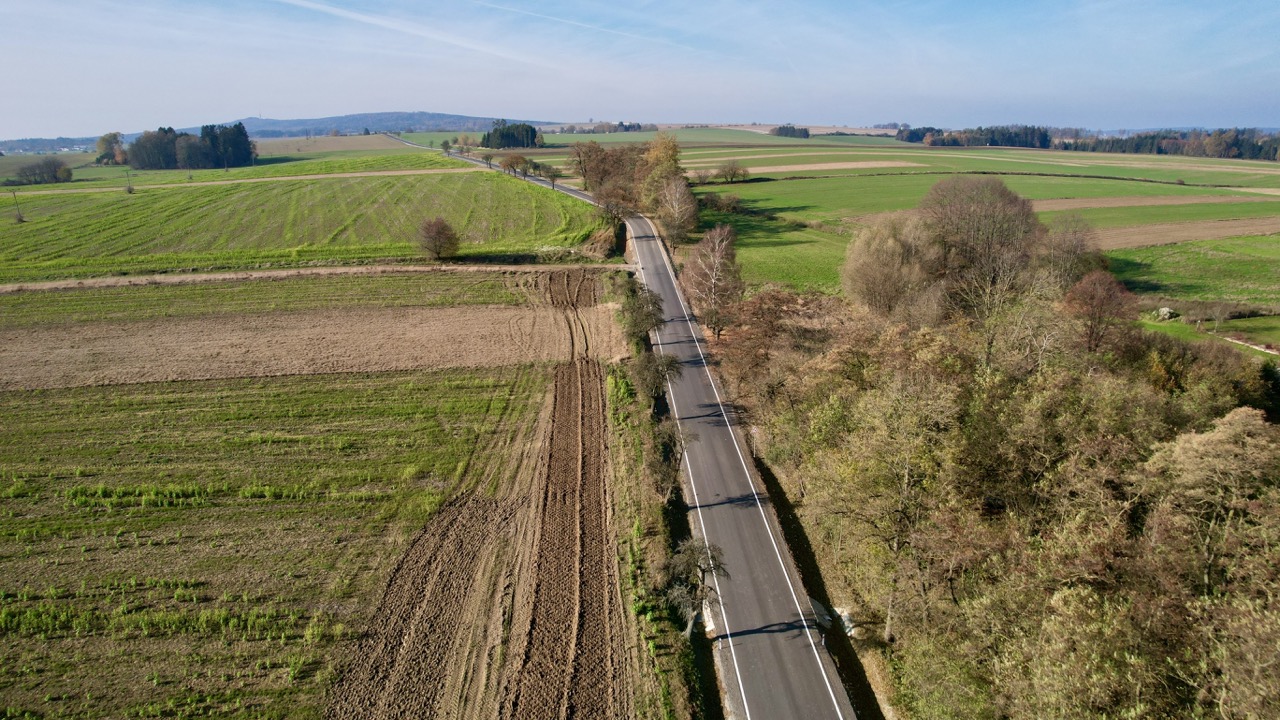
(852, 674)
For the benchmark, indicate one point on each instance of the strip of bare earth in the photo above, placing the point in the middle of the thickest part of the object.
(301, 343)
(188, 278)
(1170, 233)
(1140, 201)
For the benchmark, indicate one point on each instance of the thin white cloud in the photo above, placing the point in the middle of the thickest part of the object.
(418, 30)
(587, 26)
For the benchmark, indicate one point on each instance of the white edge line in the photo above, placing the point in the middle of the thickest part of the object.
(732, 436)
(733, 652)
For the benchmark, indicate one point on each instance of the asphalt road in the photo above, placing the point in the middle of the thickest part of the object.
(769, 648)
(772, 663)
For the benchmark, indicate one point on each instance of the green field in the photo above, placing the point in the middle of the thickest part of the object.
(272, 166)
(149, 302)
(1260, 330)
(213, 548)
(1131, 216)
(9, 164)
(1241, 270)
(283, 224)
(832, 203)
(775, 251)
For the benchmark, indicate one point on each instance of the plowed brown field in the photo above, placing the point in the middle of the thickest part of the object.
(1168, 233)
(507, 604)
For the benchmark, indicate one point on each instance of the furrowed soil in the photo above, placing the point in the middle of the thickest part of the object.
(507, 604)
(1168, 233)
(504, 600)
(352, 339)
(1140, 201)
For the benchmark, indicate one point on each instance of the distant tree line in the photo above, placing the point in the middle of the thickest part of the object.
(1242, 143)
(790, 131)
(604, 127)
(43, 171)
(516, 135)
(217, 146)
(1024, 136)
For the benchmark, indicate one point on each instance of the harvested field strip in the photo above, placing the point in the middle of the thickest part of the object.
(408, 654)
(292, 292)
(1127, 216)
(1139, 201)
(1168, 233)
(849, 165)
(298, 343)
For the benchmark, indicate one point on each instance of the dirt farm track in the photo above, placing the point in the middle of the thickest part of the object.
(507, 603)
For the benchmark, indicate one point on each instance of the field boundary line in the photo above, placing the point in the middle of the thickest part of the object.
(286, 273)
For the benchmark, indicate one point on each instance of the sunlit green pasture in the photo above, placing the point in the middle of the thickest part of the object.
(272, 166)
(1261, 330)
(9, 164)
(282, 224)
(1243, 270)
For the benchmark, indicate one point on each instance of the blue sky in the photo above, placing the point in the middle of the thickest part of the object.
(84, 67)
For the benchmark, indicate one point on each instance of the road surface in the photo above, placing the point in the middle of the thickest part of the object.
(773, 665)
(769, 648)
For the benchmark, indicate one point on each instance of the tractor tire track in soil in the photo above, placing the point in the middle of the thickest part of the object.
(507, 603)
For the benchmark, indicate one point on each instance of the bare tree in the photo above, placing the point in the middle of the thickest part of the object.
(1068, 250)
(654, 370)
(614, 201)
(677, 209)
(987, 233)
(702, 176)
(550, 173)
(1101, 303)
(731, 171)
(714, 278)
(438, 239)
(667, 456)
(890, 264)
(691, 574)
